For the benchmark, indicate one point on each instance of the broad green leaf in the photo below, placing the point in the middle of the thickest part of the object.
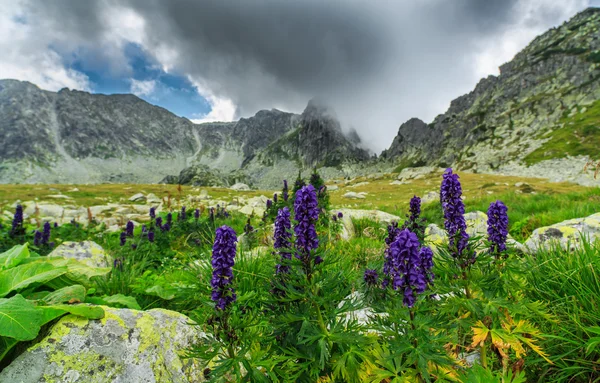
(14, 256)
(160, 292)
(82, 310)
(19, 318)
(77, 272)
(117, 300)
(24, 275)
(72, 294)
(6, 344)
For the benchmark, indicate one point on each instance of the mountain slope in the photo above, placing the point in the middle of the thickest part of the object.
(508, 121)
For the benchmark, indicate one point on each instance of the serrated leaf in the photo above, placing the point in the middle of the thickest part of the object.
(19, 318)
(480, 334)
(14, 256)
(71, 294)
(27, 274)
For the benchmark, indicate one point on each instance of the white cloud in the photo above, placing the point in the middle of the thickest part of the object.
(26, 54)
(142, 88)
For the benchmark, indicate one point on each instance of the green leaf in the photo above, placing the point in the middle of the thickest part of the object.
(19, 318)
(6, 344)
(74, 293)
(117, 300)
(14, 256)
(24, 275)
(77, 272)
(82, 310)
(160, 292)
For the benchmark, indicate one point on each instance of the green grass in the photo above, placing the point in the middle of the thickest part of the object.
(579, 135)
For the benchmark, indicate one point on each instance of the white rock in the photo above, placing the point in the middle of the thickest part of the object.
(240, 187)
(152, 199)
(430, 197)
(353, 195)
(59, 196)
(332, 187)
(139, 197)
(567, 234)
(87, 252)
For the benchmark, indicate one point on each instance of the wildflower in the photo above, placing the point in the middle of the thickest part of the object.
(371, 278)
(212, 214)
(166, 227)
(37, 238)
(393, 232)
(134, 246)
(306, 214)
(497, 226)
(223, 260)
(152, 213)
(413, 221)
(454, 210)
(269, 204)
(151, 236)
(406, 273)
(415, 208)
(170, 219)
(340, 215)
(46, 234)
(334, 218)
(17, 223)
(182, 216)
(197, 214)
(275, 197)
(318, 259)
(144, 228)
(129, 229)
(118, 264)
(55, 225)
(426, 256)
(285, 191)
(282, 236)
(123, 238)
(248, 229)
(159, 222)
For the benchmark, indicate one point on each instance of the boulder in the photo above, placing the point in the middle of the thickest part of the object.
(246, 210)
(44, 210)
(567, 234)
(332, 187)
(354, 195)
(430, 196)
(124, 346)
(240, 187)
(373, 215)
(152, 199)
(88, 252)
(139, 197)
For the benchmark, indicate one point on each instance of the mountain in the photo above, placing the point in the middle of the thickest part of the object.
(78, 137)
(544, 105)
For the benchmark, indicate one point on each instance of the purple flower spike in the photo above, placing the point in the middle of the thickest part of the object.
(129, 229)
(454, 210)
(275, 197)
(371, 278)
(405, 266)
(151, 236)
(282, 237)
(37, 238)
(285, 191)
(197, 214)
(340, 215)
(152, 213)
(269, 204)
(17, 223)
(123, 238)
(223, 259)
(46, 234)
(497, 226)
(306, 214)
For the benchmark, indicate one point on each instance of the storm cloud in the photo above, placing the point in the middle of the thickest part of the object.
(377, 63)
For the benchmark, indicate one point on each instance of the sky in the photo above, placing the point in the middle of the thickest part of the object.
(377, 63)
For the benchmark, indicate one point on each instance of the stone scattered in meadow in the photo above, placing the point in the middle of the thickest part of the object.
(87, 252)
(568, 234)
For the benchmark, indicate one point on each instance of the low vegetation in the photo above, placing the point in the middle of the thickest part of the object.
(298, 304)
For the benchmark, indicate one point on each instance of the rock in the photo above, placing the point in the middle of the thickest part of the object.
(240, 187)
(99, 209)
(359, 184)
(353, 195)
(332, 187)
(204, 194)
(373, 215)
(247, 210)
(567, 234)
(399, 182)
(124, 346)
(74, 190)
(361, 316)
(139, 197)
(44, 210)
(430, 197)
(260, 201)
(88, 252)
(59, 196)
(152, 199)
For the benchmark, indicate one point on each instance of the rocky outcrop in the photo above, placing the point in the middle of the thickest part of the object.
(124, 346)
(567, 235)
(505, 123)
(87, 252)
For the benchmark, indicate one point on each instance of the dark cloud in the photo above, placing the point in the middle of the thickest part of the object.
(376, 62)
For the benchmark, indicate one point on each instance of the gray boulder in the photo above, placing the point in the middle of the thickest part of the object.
(87, 252)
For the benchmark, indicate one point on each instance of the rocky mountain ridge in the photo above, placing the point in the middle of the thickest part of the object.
(78, 137)
(544, 105)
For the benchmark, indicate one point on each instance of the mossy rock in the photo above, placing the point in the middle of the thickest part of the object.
(568, 234)
(125, 346)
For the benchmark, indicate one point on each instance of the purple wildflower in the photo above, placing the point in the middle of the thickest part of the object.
(129, 229)
(497, 226)
(405, 261)
(159, 222)
(17, 223)
(151, 236)
(371, 278)
(340, 215)
(275, 197)
(183, 215)
(134, 246)
(285, 190)
(197, 214)
(212, 214)
(415, 208)
(269, 204)
(223, 259)
(334, 218)
(170, 219)
(152, 213)
(123, 238)
(426, 256)
(144, 228)
(454, 210)
(248, 228)
(118, 264)
(306, 214)
(55, 225)
(166, 227)
(282, 237)
(46, 234)
(393, 232)
(37, 238)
